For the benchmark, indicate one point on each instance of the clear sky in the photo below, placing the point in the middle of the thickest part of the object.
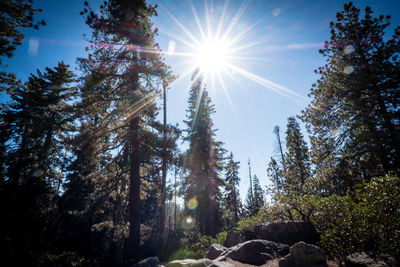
(271, 71)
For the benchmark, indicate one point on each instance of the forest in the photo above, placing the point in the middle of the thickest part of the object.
(92, 173)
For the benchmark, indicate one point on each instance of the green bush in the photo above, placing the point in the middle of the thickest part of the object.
(195, 246)
(369, 221)
(366, 220)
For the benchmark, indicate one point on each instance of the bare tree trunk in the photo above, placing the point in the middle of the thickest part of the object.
(164, 162)
(134, 192)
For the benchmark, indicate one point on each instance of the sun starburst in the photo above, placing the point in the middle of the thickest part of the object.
(217, 49)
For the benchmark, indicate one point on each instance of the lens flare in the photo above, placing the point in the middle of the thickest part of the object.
(192, 203)
(348, 70)
(188, 223)
(189, 220)
(348, 50)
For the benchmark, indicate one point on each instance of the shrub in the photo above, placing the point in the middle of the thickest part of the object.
(195, 246)
(369, 221)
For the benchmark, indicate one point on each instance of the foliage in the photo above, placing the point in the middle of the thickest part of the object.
(354, 117)
(204, 161)
(123, 74)
(255, 201)
(297, 163)
(15, 15)
(232, 202)
(369, 221)
(195, 245)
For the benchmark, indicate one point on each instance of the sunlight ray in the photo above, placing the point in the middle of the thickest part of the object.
(250, 58)
(236, 18)
(227, 96)
(227, 72)
(202, 85)
(249, 45)
(194, 11)
(221, 19)
(179, 38)
(183, 28)
(248, 29)
(207, 21)
(268, 84)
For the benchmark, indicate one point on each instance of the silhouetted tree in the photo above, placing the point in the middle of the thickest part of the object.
(203, 160)
(354, 118)
(123, 73)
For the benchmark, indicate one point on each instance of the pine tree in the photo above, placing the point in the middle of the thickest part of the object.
(33, 128)
(354, 114)
(232, 197)
(297, 166)
(276, 167)
(259, 195)
(14, 16)
(255, 199)
(123, 71)
(275, 173)
(203, 160)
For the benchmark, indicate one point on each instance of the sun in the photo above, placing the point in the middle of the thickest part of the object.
(220, 47)
(212, 55)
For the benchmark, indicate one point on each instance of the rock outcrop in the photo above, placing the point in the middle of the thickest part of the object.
(287, 232)
(215, 251)
(149, 262)
(233, 238)
(256, 252)
(304, 255)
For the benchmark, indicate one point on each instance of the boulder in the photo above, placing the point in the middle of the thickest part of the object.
(215, 251)
(362, 259)
(149, 262)
(304, 255)
(286, 232)
(233, 238)
(256, 252)
(190, 263)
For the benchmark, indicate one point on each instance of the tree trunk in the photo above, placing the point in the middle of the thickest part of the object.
(211, 224)
(134, 192)
(164, 162)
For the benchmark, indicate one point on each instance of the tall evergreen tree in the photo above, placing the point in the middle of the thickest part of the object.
(203, 160)
(259, 195)
(232, 198)
(276, 167)
(123, 72)
(255, 198)
(354, 114)
(33, 128)
(33, 124)
(297, 166)
(275, 174)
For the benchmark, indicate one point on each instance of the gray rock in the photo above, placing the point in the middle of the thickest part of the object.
(286, 232)
(215, 251)
(149, 262)
(190, 263)
(362, 259)
(233, 238)
(304, 255)
(256, 252)
(222, 264)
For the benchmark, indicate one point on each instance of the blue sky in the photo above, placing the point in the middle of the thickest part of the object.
(282, 47)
